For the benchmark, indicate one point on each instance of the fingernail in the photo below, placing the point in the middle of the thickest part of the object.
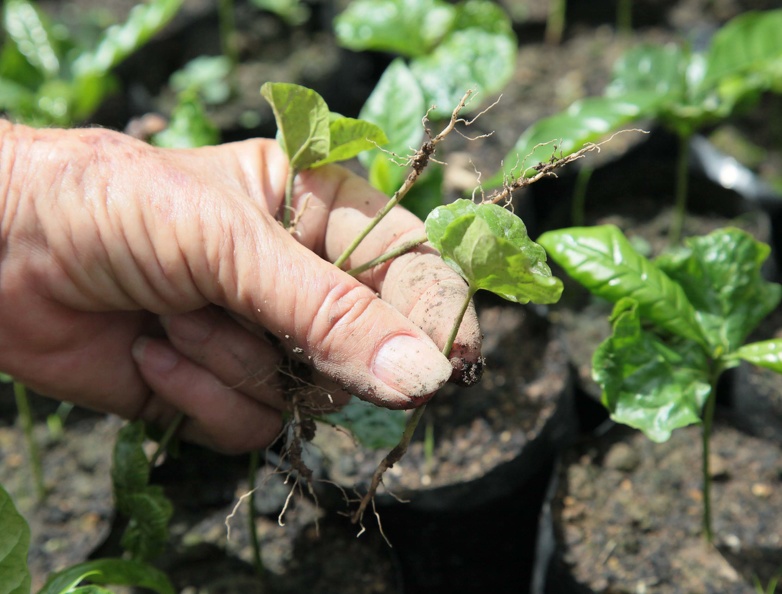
(411, 366)
(153, 355)
(193, 327)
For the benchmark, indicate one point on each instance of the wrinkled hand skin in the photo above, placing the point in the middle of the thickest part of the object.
(146, 282)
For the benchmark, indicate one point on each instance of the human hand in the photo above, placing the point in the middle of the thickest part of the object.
(119, 261)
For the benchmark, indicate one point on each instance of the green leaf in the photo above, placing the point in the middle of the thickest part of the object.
(293, 12)
(397, 106)
(405, 27)
(207, 76)
(587, 120)
(659, 70)
(647, 384)
(374, 427)
(767, 353)
(25, 26)
(120, 41)
(485, 15)
(748, 45)
(467, 59)
(189, 126)
(115, 572)
(488, 245)
(349, 137)
(721, 275)
(130, 467)
(302, 121)
(146, 507)
(147, 532)
(14, 545)
(603, 260)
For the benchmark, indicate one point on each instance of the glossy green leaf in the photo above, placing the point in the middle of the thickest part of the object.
(25, 26)
(767, 353)
(721, 275)
(14, 545)
(302, 122)
(489, 246)
(467, 59)
(562, 134)
(120, 41)
(646, 383)
(349, 137)
(405, 27)
(651, 69)
(114, 572)
(374, 427)
(603, 260)
(397, 106)
(748, 45)
(189, 126)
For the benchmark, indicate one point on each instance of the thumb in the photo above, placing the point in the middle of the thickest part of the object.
(329, 319)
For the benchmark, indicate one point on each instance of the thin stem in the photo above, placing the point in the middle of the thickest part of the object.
(26, 418)
(680, 197)
(708, 420)
(419, 161)
(400, 449)
(389, 255)
(579, 195)
(255, 541)
(227, 18)
(287, 208)
(555, 23)
(171, 430)
(624, 16)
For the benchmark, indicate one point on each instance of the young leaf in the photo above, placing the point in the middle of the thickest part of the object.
(146, 507)
(721, 275)
(115, 572)
(302, 120)
(467, 59)
(489, 247)
(405, 27)
(349, 137)
(373, 427)
(120, 41)
(647, 384)
(767, 353)
(605, 262)
(14, 545)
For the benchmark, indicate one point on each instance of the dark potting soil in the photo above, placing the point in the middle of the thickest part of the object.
(628, 515)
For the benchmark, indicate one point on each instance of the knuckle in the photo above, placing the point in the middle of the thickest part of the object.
(341, 315)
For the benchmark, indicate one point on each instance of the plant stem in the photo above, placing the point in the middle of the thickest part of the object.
(286, 212)
(171, 430)
(398, 251)
(26, 418)
(555, 22)
(624, 16)
(256, 543)
(680, 197)
(227, 18)
(579, 195)
(400, 449)
(708, 420)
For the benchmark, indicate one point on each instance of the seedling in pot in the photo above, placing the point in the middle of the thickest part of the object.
(682, 89)
(678, 323)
